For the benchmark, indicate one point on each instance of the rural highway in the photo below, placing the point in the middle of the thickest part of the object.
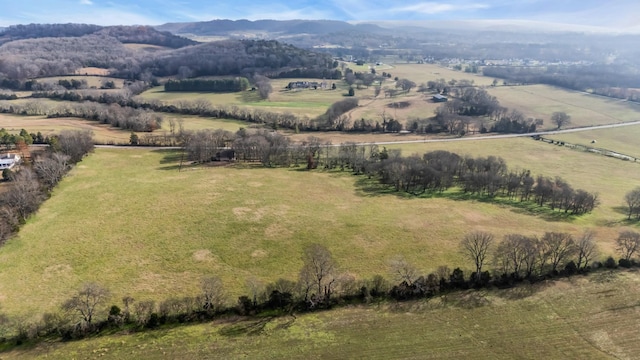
(470, 138)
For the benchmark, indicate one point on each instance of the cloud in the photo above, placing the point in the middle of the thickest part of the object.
(86, 2)
(430, 8)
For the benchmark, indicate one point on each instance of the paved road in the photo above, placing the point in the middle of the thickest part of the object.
(468, 138)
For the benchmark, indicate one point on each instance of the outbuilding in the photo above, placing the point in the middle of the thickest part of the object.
(7, 161)
(439, 98)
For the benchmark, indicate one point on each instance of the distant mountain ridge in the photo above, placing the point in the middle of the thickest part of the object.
(124, 34)
(229, 27)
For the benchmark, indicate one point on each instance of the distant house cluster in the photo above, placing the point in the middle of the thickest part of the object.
(7, 161)
(303, 85)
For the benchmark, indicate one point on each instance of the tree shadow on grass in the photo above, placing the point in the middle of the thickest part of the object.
(371, 187)
(245, 327)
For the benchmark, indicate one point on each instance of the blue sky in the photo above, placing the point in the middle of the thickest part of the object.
(616, 14)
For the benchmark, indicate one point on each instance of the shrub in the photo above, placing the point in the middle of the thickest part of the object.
(610, 263)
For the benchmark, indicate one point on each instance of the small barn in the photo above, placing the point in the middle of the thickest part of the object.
(439, 98)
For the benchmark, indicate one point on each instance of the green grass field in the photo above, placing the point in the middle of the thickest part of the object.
(144, 229)
(593, 317)
(302, 102)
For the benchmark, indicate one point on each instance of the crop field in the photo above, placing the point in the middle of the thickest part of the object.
(144, 229)
(540, 101)
(592, 317)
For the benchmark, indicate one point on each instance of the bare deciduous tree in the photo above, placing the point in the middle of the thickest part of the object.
(475, 247)
(560, 119)
(586, 249)
(213, 295)
(319, 264)
(51, 168)
(402, 271)
(558, 247)
(87, 300)
(628, 243)
(632, 199)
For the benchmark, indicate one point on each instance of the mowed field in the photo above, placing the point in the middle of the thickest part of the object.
(541, 101)
(594, 317)
(142, 228)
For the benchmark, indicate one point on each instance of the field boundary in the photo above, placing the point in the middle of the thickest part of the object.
(594, 150)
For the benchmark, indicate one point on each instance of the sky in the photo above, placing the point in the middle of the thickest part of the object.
(614, 14)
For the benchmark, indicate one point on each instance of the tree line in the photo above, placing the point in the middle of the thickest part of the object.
(322, 283)
(435, 171)
(208, 85)
(115, 115)
(30, 185)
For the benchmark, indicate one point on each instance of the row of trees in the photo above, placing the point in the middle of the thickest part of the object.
(441, 170)
(518, 257)
(115, 115)
(208, 85)
(435, 171)
(29, 186)
(322, 283)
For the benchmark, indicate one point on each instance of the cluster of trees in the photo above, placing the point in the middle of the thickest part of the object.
(440, 170)
(32, 58)
(208, 85)
(113, 114)
(233, 57)
(73, 84)
(334, 118)
(11, 140)
(29, 186)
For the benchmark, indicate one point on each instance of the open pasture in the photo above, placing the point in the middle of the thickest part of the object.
(592, 317)
(92, 80)
(541, 101)
(144, 229)
(623, 140)
(421, 73)
(610, 178)
(302, 102)
(103, 133)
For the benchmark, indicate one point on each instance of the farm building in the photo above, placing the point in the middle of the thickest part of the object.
(439, 98)
(303, 85)
(7, 161)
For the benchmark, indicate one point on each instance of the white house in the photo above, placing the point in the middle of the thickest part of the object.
(7, 161)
